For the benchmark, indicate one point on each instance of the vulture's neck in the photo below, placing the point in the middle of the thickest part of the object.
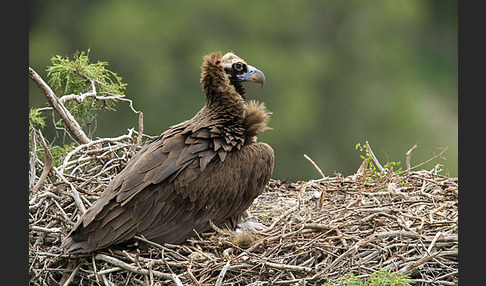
(224, 100)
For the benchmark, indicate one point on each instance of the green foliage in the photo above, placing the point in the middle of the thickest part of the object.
(74, 76)
(371, 171)
(36, 124)
(78, 76)
(36, 121)
(378, 278)
(59, 152)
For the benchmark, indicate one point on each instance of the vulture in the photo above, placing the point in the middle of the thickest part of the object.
(206, 169)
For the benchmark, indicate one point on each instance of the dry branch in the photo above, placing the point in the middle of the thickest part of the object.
(315, 165)
(222, 274)
(135, 269)
(48, 164)
(66, 116)
(409, 155)
(373, 157)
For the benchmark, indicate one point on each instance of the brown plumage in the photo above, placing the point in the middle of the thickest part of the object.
(207, 168)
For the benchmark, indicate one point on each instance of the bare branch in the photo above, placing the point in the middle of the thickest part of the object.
(48, 164)
(135, 269)
(92, 143)
(93, 93)
(409, 155)
(122, 98)
(373, 157)
(74, 192)
(221, 275)
(66, 116)
(315, 165)
(138, 139)
(438, 155)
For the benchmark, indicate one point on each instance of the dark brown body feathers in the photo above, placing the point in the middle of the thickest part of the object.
(207, 168)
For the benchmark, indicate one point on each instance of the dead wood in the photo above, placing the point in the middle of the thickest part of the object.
(319, 229)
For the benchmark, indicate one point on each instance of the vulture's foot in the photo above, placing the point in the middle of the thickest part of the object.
(252, 226)
(249, 222)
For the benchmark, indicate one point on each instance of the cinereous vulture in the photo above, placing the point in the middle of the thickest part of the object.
(210, 167)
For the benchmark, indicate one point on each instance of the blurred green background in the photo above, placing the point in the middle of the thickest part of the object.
(338, 72)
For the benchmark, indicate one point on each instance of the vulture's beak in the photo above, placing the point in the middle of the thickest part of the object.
(252, 74)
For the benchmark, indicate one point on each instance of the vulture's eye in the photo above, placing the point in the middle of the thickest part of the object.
(238, 67)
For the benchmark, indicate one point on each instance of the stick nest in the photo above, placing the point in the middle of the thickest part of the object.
(319, 230)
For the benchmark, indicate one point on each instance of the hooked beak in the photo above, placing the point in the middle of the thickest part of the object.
(253, 74)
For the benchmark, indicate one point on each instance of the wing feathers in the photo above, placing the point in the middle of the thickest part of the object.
(167, 169)
(205, 158)
(185, 156)
(199, 146)
(144, 222)
(109, 217)
(174, 143)
(143, 206)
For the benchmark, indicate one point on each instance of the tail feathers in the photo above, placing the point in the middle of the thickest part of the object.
(74, 247)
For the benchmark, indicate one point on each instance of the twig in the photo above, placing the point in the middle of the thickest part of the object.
(373, 157)
(317, 226)
(221, 275)
(140, 129)
(92, 143)
(106, 271)
(33, 160)
(280, 218)
(416, 263)
(217, 229)
(322, 198)
(191, 275)
(285, 266)
(71, 277)
(45, 229)
(79, 98)
(434, 240)
(409, 155)
(74, 192)
(315, 166)
(438, 155)
(351, 250)
(106, 281)
(122, 98)
(48, 164)
(141, 238)
(135, 269)
(433, 281)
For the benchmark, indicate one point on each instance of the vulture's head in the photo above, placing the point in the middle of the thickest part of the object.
(222, 76)
(238, 70)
